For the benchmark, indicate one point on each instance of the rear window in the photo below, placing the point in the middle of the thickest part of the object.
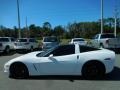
(107, 36)
(22, 40)
(87, 49)
(4, 40)
(31, 40)
(74, 40)
(50, 39)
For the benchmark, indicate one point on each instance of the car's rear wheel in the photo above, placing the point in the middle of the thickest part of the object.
(7, 49)
(101, 45)
(93, 70)
(31, 49)
(18, 70)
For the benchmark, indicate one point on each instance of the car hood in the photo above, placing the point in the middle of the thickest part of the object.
(25, 58)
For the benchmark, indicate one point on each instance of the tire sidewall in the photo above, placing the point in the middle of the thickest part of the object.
(14, 73)
(7, 49)
(99, 67)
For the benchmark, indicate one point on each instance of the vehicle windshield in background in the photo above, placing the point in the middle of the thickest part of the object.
(4, 39)
(50, 39)
(22, 40)
(75, 40)
(107, 36)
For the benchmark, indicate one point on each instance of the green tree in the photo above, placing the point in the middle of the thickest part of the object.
(47, 29)
(59, 31)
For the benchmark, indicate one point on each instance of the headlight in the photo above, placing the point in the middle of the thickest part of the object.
(7, 66)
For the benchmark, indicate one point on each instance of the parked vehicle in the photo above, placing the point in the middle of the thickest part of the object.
(79, 41)
(106, 40)
(26, 44)
(49, 42)
(72, 59)
(6, 44)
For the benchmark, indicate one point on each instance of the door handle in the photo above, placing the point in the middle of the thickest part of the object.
(77, 56)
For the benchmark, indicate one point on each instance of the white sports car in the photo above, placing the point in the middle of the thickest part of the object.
(63, 60)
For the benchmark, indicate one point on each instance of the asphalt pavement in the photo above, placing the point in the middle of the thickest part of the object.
(111, 81)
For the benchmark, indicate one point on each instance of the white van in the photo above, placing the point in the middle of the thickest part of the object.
(49, 42)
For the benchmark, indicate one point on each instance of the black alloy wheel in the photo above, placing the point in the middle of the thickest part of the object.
(18, 71)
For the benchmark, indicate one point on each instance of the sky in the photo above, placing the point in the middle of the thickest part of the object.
(57, 12)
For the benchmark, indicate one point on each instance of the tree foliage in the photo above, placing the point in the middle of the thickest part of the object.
(72, 30)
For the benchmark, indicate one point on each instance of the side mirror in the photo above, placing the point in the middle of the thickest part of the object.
(51, 55)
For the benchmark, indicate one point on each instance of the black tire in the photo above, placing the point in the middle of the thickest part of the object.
(18, 71)
(31, 49)
(7, 49)
(101, 45)
(93, 70)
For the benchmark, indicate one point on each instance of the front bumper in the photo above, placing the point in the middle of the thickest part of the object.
(6, 69)
(21, 48)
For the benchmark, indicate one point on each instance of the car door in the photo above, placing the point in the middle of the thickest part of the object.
(61, 61)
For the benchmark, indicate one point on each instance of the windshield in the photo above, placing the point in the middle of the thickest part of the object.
(46, 52)
(50, 39)
(75, 40)
(4, 39)
(22, 40)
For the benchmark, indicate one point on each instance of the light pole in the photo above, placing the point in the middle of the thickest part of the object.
(18, 12)
(116, 15)
(27, 29)
(101, 16)
(115, 27)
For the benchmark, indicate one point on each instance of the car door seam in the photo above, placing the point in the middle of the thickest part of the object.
(35, 67)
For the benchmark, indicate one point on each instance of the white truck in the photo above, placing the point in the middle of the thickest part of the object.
(106, 40)
(6, 44)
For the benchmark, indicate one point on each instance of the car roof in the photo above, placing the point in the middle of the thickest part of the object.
(77, 38)
(6, 37)
(26, 38)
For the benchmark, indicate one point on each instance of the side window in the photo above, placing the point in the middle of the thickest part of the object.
(12, 39)
(31, 40)
(96, 37)
(87, 49)
(64, 50)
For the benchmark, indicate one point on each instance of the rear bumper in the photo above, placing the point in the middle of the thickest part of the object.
(21, 48)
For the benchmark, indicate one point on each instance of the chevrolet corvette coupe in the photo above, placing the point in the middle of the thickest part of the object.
(64, 60)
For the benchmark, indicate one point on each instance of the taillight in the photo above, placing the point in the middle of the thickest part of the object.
(107, 41)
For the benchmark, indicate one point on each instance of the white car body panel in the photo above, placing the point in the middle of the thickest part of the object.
(63, 65)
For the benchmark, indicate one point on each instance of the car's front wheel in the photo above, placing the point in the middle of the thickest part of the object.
(93, 70)
(19, 71)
